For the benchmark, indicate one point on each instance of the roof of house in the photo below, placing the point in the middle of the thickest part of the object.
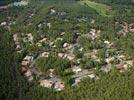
(28, 58)
(119, 66)
(24, 63)
(28, 73)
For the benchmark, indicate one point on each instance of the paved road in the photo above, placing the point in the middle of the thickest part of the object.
(33, 62)
(83, 73)
(33, 69)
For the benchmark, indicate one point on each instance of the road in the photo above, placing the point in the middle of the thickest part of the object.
(83, 73)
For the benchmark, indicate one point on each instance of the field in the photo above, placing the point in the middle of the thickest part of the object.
(102, 9)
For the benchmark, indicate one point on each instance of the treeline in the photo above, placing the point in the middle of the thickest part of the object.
(124, 2)
(12, 83)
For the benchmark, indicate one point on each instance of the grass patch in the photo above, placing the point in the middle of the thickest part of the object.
(102, 9)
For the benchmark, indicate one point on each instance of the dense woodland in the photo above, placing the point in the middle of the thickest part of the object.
(111, 86)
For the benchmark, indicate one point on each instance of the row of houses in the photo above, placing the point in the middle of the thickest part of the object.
(17, 41)
(52, 83)
(25, 67)
(80, 74)
(28, 38)
(93, 34)
(124, 65)
(66, 56)
(125, 28)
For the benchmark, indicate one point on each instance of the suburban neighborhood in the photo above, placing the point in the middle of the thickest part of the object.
(112, 57)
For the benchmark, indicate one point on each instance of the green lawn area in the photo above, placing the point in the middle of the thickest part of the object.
(102, 9)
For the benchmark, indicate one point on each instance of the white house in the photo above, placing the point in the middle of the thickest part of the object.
(28, 58)
(3, 23)
(76, 69)
(46, 83)
(44, 54)
(59, 85)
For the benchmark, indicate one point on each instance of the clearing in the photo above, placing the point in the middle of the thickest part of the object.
(102, 9)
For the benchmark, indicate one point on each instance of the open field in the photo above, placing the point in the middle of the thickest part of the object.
(102, 9)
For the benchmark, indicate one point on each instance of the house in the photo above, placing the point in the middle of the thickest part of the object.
(76, 69)
(92, 21)
(43, 40)
(131, 27)
(28, 73)
(98, 31)
(30, 78)
(39, 25)
(3, 23)
(62, 13)
(92, 32)
(39, 44)
(31, 15)
(132, 30)
(28, 38)
(106, 42)
(70, 57)
(59, 85)
(78, 61)
(108, 60)
(61, 55)
(28, 58)
(119, 66)
(23, 70)
(46, 83)
(24, 63)
(92, 54)
(81, 49)
(44, 54)
(77, 80)
(18, 47)
(106, 68)
(53, 11)
(130, 62)
(51, 73)
(67, 46)
(16, 40)
(121, 56)
(15, 37)
(62, 33)
(65, 56)
(92, 76)
(51, 43)
(57, 39)
(49, 25)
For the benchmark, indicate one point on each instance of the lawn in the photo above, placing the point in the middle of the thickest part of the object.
(102, 9)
